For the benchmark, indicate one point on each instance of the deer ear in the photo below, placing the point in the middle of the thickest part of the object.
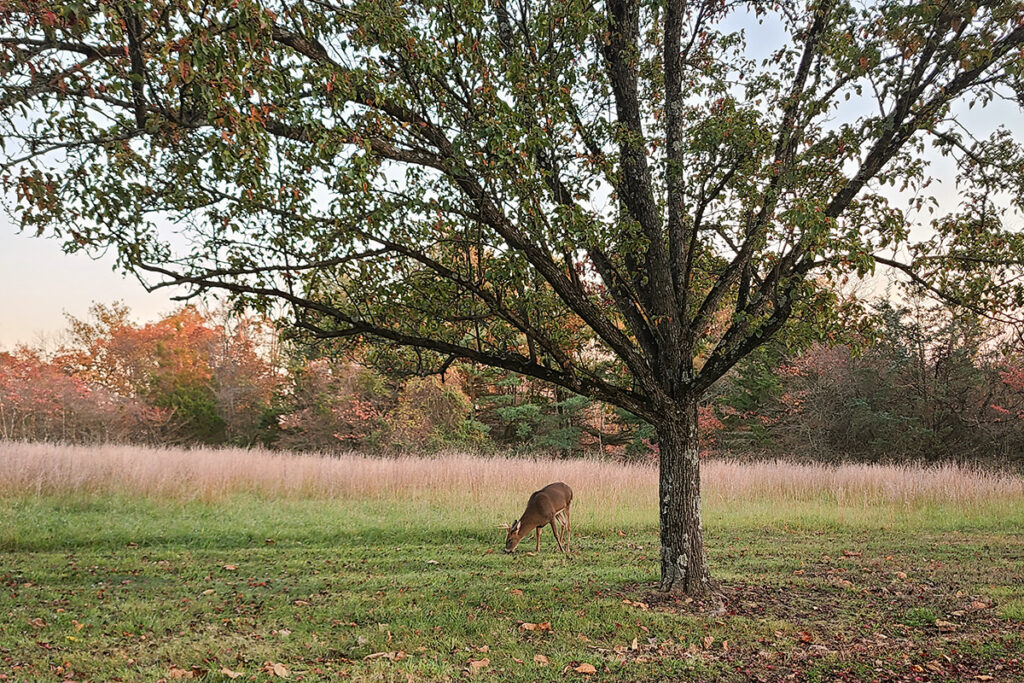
(514, 527)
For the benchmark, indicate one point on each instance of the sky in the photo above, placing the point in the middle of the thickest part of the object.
(40, 283)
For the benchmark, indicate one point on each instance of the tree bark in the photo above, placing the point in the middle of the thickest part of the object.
(683, 562)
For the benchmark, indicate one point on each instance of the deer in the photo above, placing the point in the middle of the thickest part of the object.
(544, 507)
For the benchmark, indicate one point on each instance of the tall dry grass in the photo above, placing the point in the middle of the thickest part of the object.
(484, 484)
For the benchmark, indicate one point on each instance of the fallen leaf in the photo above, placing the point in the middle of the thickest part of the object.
(433, 562)
(541, 659)
(209, 591)
(37, 623)
(543, 626)
(725, 645)
(78, 625)
(280, 670)
(301, 603)
(516, 591)
(179, 673)
(634, 645)
(478, 664)
(945, 626)
(806, 637)
(851, 553)
(977, 604)
(230, 567)
(517, 660)
(620, 532)
(585, 668)
(231, 674)
(983, 677)
(283, 632)
(708, 642)
(901, 575)
(800, 572)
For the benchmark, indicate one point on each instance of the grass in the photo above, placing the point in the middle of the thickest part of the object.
(140, 565)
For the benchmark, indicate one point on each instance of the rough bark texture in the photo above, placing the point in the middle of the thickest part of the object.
(683, 563)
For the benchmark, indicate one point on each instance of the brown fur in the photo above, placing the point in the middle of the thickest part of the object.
(544, 507)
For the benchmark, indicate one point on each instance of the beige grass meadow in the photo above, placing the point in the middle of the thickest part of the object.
(482, 488)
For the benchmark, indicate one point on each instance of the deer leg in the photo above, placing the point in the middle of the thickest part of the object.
(562, 522)
(538, 539)
(568, 527)
(554, 530)
(563, 519)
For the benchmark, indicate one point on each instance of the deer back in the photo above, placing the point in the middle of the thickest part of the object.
(543, 504)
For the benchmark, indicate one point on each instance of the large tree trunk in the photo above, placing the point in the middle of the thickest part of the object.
(683, 563)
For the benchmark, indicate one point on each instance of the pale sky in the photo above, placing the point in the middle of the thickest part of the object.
(39, 283)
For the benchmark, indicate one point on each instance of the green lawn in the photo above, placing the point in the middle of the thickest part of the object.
(108, 588)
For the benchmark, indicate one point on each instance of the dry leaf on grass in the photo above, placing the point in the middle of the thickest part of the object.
(516, 591)
(543, 626)
(231, 674)
(230, 567)
(945, 626)
(179, 673)
(276, 669)
(478, 664)
(541, 659)
(977, 604)
(851, 553)
(585, 668)
(37, 623)
(708, 642)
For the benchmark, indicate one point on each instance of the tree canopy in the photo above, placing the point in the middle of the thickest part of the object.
(621, 198)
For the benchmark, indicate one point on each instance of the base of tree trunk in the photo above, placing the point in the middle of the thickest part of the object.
(687, 583)
(683, 562)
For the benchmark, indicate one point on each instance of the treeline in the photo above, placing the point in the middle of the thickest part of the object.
(199, 378)
(932, 386)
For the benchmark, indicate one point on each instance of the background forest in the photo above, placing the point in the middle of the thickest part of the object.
(931, 385)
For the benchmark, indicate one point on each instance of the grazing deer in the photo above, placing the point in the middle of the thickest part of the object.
(544, 507)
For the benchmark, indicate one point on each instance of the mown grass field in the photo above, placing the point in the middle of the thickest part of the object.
(145, 565)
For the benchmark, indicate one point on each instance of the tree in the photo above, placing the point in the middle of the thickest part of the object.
(622, 198)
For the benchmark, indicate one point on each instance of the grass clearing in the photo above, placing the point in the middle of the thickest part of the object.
(329, 568)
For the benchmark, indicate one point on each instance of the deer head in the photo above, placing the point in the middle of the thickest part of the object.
(513, 537)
